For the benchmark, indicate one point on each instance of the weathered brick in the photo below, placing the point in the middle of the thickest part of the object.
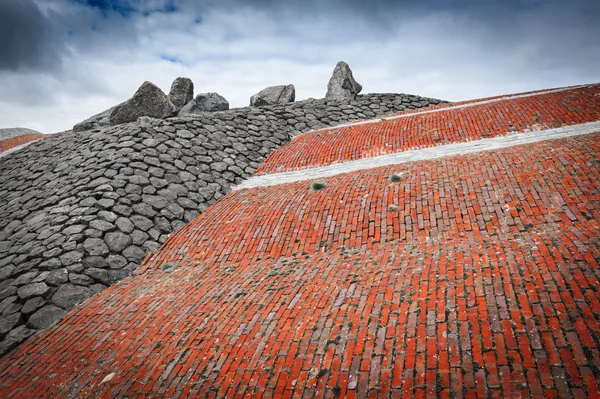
(480, 280)
(13, 142)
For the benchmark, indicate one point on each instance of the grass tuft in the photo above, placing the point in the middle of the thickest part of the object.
(167, 267)
(395, 178)
(316, 186)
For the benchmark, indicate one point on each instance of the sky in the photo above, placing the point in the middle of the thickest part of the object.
(62, 61)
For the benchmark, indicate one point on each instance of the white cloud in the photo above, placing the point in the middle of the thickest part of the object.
(449, 55)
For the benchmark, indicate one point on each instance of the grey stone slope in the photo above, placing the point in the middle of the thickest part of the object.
(8, 133)
(80, 211)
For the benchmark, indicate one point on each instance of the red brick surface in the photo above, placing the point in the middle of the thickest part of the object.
(324, 147)
(13, 142)
(502, 96)
(475, 276)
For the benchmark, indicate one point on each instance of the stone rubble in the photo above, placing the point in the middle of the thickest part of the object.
(148, 100)
(205, 102)
(274, 95)
(79, 212)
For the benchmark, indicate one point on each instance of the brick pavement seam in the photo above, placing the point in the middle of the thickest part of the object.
(485, 144)
(442, 109)
(17, 148)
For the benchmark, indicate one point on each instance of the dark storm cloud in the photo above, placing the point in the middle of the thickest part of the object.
(504, 22)
(33, 39)
(28, 39)
(122, 7)
(38, 38)
(390, 10)
(128, 8)
(385, 14)
(366, 7)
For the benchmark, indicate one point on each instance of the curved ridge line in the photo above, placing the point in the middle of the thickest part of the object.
(460, 106)
(17, 148)
(469, 147)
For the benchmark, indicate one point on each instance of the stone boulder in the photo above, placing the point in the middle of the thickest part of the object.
(342, 86)
(45, 317)
(9, 322)
(69, 295)
(182, 92)
(148, 100)
(273, 95)
(95, 122)
(206, 102)
(14, 338)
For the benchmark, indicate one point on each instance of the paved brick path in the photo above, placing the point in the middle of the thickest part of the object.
(473, 276)
(443, 125)
(454, 105)
(13, 142)
(440, 151)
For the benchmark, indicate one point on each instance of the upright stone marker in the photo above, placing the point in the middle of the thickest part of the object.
(182, 92)
(342, 86)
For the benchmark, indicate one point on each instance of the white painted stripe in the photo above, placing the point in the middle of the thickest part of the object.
(441, 151)
(433, 111)
(17, 148)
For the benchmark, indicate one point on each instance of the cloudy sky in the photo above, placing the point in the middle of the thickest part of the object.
(62, 61)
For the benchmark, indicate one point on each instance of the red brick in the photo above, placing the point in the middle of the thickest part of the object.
(342, 295)
(13, 142)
